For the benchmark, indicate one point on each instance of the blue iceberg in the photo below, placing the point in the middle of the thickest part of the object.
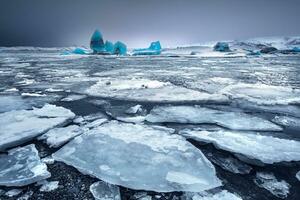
(109, 47)
(154, 49)
(296, 49)
(97, 43)
(120, 48)
(77, 50)
(222, 47)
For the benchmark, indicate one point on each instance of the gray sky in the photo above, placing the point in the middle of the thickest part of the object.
(138, 22)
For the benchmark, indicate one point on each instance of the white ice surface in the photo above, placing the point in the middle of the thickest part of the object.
(223, 195)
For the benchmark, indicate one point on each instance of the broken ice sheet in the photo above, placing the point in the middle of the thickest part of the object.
(286, 121)
(59, 136)
(18, 127)
(12, 102)
(22, 166)
(148, 90)
(223, 195)
(105, 191)
(140, 157)
(253, 146)
(269, 182)
(73, 97)
(200, 115)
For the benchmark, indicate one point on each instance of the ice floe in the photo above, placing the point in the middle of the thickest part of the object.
(263, 94)
(200, 115)
(22, 166)
(148, 90)
(223, 195)
(73, 97)
(13, 192)
(253, 146)
(140, 157)
(286, 121)
(269, 182)
(12, 102)
(59, 136)
(105, 191)
(20, 126)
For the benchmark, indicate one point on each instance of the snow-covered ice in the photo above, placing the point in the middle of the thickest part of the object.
(200, 115)
(20, 126)
(269, 182)
(140, 157)
(73, 97)
(286, 121)
(22, 166)
(134, 109)
(59, 136)
(254, 146)
(105, 191)
(12, 102)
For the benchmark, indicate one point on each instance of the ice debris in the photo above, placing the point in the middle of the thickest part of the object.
(154, 49)
(298, 175)
(200, 115)
(266, 149)
(56, 137)
(155, 159)
(22, 166)
(49, 186)
(269, 182)
(286, 121)
(73, 97)
(105, 191)
(13, 192)
(223, 195)
(18, 127)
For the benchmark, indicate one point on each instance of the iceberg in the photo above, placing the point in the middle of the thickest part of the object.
(148, 90)
(58, 136)
(154, 49)
(269, 182)
(18, 127)
(140, 157)
(105, 191)
(222, 47)
(77, 50)
(249, 147)
(22, 166)
(120, 48)
(201, 115)
(97, 43)
(109, 47)
(223, 195)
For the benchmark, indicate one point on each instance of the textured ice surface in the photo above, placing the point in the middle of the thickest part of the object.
(266, 149)
(59, 136)
(105, 191)
(73, 97)
(223, 195)
(20, 126)
(290, 122)
(154, 49)
(263, 94)
(148, 90)
(269, 182)
(8, 103)
(134, 109)
(49, 186)
(199, 115)
(22, 166)
(13, 192)
(140, 157)
(298, 175)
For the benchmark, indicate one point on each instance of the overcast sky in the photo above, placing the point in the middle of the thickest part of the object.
(138, 22)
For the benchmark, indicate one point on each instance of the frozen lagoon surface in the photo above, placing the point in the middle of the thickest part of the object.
(264, 88)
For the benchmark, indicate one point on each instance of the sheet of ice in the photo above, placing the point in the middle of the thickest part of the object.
(134, 119)
(223, 195)
(20, 126)
(105, 191)
(286, 121)
(22, 166)
(269, 182)
(266, 149)
(8, 103)
(200, 115)
(298, 175)
(59, 136)
(154, 159)
(263, 94)
(95, 123)
(148, 90)
(27, 94)
(134, 109)
(73, 97)
(49, 186)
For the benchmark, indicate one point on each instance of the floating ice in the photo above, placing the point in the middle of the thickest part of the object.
(134, 109)
(109, 47)
(134, 119)
(95, 123)
(154, 49)
(105, 191)
(266, 149)
(59, 136)
(26, 196)
(223, 195)
(140, 157)
(148, 90)
(73, 97)
(290, 122)
(120, 48)
(18, 127)
(222, 47)
(22, 166)
(263, 94)
(269, 182)
(298, 176)
(97, 43)
(200, 115)
(13, 192)
(28, 94)
(8, 103)
(49, 186)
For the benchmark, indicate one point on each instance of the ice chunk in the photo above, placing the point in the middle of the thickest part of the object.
(148, 90)
(222, 47)
(8, 103)
(13, 192)
(263, 94)
(154, 49)
(140, 157)
(97, 43)
(298, 176)
(26, 196)
(223, 195)
(22, 166)
(266, 149)
(134, 119)
(73, 97)
(105, 191)
(134, 109)
(269, 182)
(290, 122)
(95, 123)
(109, 47)
(18, 127)
(49, 186)
(59, 136)
(120, 48)
(200, 115)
